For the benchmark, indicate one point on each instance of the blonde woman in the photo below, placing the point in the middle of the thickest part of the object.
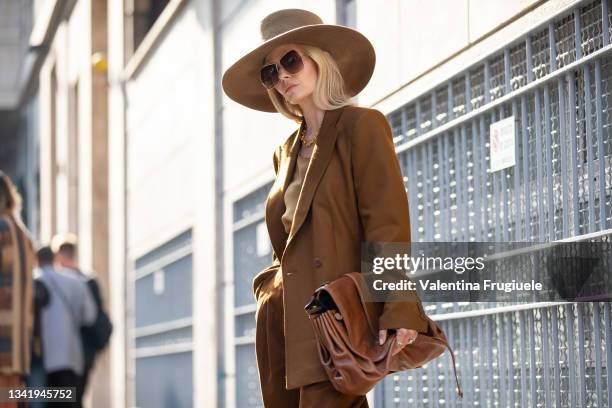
(16, 313)
(338, 183)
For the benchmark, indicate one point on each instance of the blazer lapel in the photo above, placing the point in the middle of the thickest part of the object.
(275, 205)
(321, 154)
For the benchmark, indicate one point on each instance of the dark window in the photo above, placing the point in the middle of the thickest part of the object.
(145, 13)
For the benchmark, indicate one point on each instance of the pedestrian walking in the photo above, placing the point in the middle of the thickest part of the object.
(95, 337)
(70, 307)
(16, 312)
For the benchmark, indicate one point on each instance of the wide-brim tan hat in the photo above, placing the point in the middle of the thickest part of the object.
(351, 50)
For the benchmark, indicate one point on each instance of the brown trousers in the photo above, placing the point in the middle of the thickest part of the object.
(270, 350)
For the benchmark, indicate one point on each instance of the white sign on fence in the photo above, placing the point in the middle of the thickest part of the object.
(501, 144)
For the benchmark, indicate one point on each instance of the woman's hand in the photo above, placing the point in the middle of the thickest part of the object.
(403, 337)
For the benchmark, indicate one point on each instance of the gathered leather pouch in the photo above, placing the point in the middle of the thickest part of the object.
(346, 327)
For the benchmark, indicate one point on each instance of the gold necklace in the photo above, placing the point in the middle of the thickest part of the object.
(303, 136)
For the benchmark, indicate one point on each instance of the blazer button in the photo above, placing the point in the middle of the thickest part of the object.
(317, 263)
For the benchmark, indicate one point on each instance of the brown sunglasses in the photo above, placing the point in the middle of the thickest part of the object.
(292, 63)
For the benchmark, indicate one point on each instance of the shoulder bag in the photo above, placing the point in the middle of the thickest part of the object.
(346, 327)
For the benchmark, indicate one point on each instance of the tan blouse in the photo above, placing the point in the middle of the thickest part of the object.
(293, 191)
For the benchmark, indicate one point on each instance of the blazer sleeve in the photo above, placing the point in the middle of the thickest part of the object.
(383, 206)
(261, 276)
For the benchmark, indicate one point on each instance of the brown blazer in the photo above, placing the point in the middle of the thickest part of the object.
(352, 192)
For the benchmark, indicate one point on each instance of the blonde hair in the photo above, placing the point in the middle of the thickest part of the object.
(10, 199)
(329, 92)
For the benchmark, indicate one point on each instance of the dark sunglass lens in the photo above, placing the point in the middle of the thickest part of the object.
(292, 62)
(269, 76)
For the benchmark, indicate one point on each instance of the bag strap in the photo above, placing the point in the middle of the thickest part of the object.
(459, 392)
(364, 302)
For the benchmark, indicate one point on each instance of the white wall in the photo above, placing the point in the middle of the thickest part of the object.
(170, 166)
(419, 35)
(70, 56)
(116, 200)
(167, 113)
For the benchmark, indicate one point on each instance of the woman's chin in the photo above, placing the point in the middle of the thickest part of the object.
(295, 99)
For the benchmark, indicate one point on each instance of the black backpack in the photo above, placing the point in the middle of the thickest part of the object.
(96, 337)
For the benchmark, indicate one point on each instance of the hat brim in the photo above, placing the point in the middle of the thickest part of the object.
(352, 51)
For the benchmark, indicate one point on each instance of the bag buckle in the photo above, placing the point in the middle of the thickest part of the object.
(314, 307)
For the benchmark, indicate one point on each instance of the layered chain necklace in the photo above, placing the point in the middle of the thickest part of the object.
(303, 130)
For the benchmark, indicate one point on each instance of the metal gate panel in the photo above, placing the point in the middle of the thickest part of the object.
(555, 81)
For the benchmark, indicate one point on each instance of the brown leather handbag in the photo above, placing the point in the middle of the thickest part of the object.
(346, 327)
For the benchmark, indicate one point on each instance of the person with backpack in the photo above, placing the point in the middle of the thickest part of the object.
(70, 306)
(96, 336)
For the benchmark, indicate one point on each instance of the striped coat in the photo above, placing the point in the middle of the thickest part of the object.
(16, 313)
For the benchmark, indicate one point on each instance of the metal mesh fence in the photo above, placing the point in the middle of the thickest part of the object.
(248, 215)
(555, 83)
(554, 356)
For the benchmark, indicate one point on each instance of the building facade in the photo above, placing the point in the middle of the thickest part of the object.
(164, 178)
(55, 145)
(19, 103)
